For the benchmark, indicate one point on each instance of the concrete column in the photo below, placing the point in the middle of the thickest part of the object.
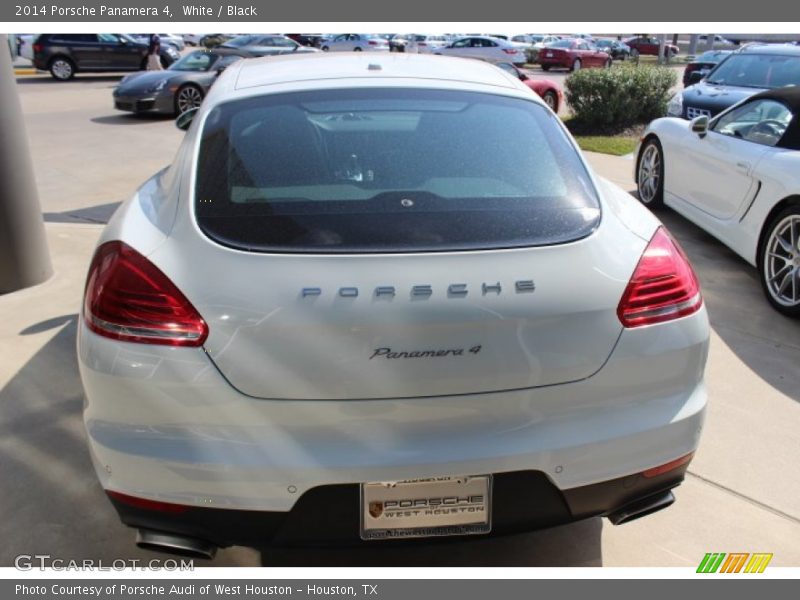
(693, 43)
(24, 257)
(662, 48)
(710, 41)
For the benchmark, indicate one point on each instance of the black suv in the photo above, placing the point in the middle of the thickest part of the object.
(64, 54)
(752, 69)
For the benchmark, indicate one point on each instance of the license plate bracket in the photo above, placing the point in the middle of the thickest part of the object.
(429, 507)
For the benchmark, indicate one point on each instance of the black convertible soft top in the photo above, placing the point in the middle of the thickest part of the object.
(790, 97)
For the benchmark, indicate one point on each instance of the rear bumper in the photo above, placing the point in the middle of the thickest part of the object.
(562, 62)
(522, 501)
(163, 424)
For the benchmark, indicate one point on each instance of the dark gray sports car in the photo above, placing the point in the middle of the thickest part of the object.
(177, 89)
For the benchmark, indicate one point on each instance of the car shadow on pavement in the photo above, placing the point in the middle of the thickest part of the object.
(87, 78)
(131, 119)
(101, 213)
(52, 502)
(573, 545)
(765, 340)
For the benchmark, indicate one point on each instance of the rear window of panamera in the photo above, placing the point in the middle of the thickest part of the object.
(389, 170)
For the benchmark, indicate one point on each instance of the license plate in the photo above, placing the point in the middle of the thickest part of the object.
(438, 506)
(549, 54)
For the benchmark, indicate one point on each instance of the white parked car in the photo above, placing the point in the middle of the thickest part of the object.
(426, 44)
(537, 40)
(738, 177)
(378, 297)
(355, 42)
(486, 48)
(718, 40)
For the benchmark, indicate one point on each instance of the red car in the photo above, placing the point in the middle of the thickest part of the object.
(549, 91)
(572, 54)
(648, 46)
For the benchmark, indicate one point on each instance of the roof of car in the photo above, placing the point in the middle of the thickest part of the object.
(757, 48)
(789, 96)
(358, 65)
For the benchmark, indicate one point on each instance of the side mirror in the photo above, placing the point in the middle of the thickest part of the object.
(523, 77)
(185, 119)
(699, 125)
(695, 77)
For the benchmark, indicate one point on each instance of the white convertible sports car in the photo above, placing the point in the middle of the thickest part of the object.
(383, 296)
(738, 177)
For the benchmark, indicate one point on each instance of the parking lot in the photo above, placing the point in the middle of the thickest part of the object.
(742, 493)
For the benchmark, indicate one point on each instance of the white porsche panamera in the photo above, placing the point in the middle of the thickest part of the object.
(738, 177)
(377, 298)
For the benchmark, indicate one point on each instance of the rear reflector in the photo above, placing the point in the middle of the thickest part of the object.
(670, 466)
(155, 505)
(128, 298)
(663, 286)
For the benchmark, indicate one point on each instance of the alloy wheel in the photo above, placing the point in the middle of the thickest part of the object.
(188, 98)
(649, 173)
(782, 262)
(61, 69)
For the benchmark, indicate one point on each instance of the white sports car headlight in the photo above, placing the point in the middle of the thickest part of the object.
(675, 106)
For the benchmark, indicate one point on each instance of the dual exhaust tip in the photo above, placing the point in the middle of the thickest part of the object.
(175, 544)
(641, 508)
(192, 547)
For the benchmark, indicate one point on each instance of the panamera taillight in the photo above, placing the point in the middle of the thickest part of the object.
(663, 286)
(128, 298)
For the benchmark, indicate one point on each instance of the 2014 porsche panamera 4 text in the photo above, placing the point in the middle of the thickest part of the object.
(226, 405)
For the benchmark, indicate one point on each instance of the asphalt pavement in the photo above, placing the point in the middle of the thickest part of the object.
(742, 492)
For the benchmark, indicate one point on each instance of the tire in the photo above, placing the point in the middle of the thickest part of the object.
(357, 49)
(650, 174)
(779, 261)
(325, 48)
(545, 67)
(187, 97)
(576, 65)
(62, 68)
(551, 99)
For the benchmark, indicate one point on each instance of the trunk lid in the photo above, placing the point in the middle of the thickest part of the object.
(389, 326)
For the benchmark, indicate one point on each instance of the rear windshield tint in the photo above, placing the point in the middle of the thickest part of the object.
(389, 170)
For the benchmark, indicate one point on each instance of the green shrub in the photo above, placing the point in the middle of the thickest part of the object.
(613, 99)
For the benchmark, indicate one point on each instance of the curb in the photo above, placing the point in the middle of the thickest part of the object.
(25, 71)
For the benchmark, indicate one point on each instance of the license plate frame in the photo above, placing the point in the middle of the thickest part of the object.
(426, 507)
